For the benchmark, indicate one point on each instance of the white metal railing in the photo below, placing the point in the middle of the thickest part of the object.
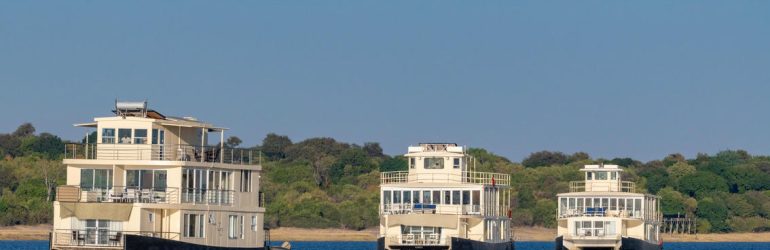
(164, 152)
(408, 208)
(118, 194)
(101, 238)
(432, 239)
(614, 186)
(630, 214)
(485, 178)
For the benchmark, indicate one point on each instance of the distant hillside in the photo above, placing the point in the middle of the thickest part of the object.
(323, 183)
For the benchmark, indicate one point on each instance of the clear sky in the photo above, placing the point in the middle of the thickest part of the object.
(611, 78)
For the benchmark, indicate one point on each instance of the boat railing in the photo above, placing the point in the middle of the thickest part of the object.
(600, 212)
(420, 208)
(432, 239)
(473, 177)
(101, 238)
(614, 186)
(594, 233)
(164, 152)
(207, 196)
(118, 194)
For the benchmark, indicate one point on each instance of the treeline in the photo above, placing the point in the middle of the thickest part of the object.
(323, 183)
(29, 172)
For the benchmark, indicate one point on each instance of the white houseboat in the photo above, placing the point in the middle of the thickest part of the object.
(604, 212)
(441, 203)
(153, 182)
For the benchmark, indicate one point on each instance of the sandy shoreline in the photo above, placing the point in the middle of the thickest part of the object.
(40, 232)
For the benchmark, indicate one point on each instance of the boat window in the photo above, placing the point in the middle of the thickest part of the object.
(245, 180)
(434, 163)
(601, 176)
(124, 136)
(614, 175)
(436, 197)
(416, 196)
(571, 203)
(108, 135)
(563, 205)
(638, 207)
(407, 196)
(426, 197)
(456, 197)
(456, 163)
(614, 204)
(193, 226)
(466, 197)
(589, 176)
(621, 204)
(605, 203)
(397, 197)
(411, 162)
(140, 136)
(588, 202)
(447, 198)
(386, 197)
(580, 204)
(597, 202)
(95, 179)
(476, 197)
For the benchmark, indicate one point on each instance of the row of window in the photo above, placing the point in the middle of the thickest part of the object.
(446, 197)
(131, 136)
(434, 163)
(602, 175)
(579, 203)
(157, 179)
(194, 225)
(594, 228)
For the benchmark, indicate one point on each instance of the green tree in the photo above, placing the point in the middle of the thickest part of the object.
(744, 177)
(715, 213)
(679, 170)
(544, 213)
(274, 146)
(544, 158)
(397, 163)
(702, 182)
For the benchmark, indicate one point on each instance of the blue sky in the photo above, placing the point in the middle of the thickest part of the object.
(614, 79)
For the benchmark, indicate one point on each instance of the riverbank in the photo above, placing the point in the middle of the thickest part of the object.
(37, 232)
(40, 232)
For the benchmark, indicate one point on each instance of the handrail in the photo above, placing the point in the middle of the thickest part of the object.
(208, 196)
(98, 237)
(613, 186)
(162, 152)
(467, 209)
(118, 194)
(474, 177)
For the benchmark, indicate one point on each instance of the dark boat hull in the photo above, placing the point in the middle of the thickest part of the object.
(136, 242)
(456, 244)
(626, 244)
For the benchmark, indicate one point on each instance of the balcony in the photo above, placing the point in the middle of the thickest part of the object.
(429, 239)
(118, 194)
(166, 152)
(420, 208)
(614, 186)
(100, 238)
(207, 196)
(471, 177)
(600, 212)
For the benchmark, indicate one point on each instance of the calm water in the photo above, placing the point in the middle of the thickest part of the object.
(43, 245)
